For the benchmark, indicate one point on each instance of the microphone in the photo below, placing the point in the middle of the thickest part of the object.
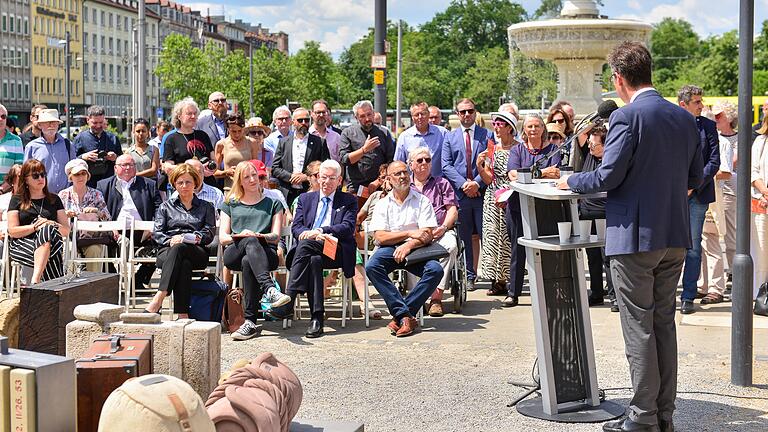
(604, 111)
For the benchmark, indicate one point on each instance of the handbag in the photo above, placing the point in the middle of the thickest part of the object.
(433, 251)
(233, 310)
(207, 298)
(761, 302)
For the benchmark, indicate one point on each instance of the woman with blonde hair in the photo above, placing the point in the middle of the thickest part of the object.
(184, 225)
(250, 230)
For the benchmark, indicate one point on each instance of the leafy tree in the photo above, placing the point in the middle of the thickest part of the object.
(313, 73)
(489, 79)
(178, 61)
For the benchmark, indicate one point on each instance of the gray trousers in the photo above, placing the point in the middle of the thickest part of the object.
(646, 284)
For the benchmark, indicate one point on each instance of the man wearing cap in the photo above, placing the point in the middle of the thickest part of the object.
(294, 153)
(11, 149)
(319, 215)
(421, 134)
(32, 130)
(321, 119)
(459, 160)
(52, 149)
(97, 146)
(215, 125)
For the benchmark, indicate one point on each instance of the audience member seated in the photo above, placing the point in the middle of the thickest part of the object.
(320, 215)
(250, 228)
(86, 204)
(37, 225)
(205, 192)
(183, 225)
(402, 222)
(9, 187)
(146, 156)
(440, 193)
(128, 198)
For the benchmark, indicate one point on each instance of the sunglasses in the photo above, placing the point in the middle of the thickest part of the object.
(37, 176)
(303, 120)
(256, 133)
(555, 137)
(500, 123)
(559, 120)
(423, 160)
(467, 111)
(219, 101)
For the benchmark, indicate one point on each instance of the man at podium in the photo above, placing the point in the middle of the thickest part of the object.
(651, 163)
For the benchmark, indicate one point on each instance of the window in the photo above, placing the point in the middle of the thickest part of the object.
(26, 26)
(118, 22)
(111, 73)
(111, 44)
(5, 89)
(34, 55)
(125, 74)
(85, 14)
(103, 72)
(93, 16)
(36, 88)
(85, 73)
(95, 72)
(26, 58)
(48, 85)
(125, 47)
(19, 28)
(4, 23)
(85, 41)
(94, 46)
(118, 74)
(11, 26)
(103, 44)
(103, 20)
(118, 45)
(36, 24)
(19, 88)
(19, 58)
(110, 19)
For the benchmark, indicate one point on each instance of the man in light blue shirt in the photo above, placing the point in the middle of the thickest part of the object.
(282, 120)
(421, 134)
(51, 149)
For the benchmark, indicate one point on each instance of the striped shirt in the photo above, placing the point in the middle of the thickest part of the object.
(11, 152)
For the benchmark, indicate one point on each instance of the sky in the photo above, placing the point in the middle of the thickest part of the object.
(336, 24)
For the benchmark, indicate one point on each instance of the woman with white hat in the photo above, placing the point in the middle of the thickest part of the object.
(85, 203)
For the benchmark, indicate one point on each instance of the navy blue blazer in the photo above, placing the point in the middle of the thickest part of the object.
(651, 160)
(143, 193)
(454, 157)
(343, 220)
(710, 154)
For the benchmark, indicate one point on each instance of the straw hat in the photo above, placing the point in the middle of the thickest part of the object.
(256, 123)
(555, 128)
(48, 115)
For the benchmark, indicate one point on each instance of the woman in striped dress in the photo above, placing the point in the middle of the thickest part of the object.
(37, 224)
(496, 251)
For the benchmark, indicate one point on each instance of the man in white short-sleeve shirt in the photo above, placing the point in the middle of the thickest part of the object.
(402, 222)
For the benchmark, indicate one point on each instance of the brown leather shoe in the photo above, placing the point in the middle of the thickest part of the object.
(409, 325)
(435, 308)
(497, 289)
(393, 326)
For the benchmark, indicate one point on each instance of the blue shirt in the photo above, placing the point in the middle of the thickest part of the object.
(221, 128)
(54, 157)
(271, 141)
(87, 141)
(412, 138)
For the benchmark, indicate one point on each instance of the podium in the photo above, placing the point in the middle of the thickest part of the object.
(562, 324)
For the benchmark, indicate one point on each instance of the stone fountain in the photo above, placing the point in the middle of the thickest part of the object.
(577, 43)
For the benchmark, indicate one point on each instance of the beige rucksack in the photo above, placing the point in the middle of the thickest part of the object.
(157, 403)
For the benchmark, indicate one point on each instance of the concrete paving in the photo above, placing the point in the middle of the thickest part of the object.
(453, 375)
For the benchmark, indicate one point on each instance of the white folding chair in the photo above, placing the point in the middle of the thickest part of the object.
(119, 261)
(5, 264)
(133, 261)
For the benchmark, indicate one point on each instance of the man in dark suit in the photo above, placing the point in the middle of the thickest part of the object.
(327, 212)
(294, 153)
(689, 97)
(144, 201)
(459, 159)
(651, 162)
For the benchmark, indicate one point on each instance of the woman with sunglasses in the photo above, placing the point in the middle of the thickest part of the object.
(37, 224)
(258, 132)
(250, 230)
(492, 166)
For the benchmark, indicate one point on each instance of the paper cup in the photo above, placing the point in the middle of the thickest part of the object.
(600, 225)
(564, 230)
(585, 229)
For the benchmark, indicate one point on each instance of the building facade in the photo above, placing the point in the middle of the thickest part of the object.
(15, 73)
(109, 47)
(50, 21)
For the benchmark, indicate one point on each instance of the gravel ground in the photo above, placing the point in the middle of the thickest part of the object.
(453, 375)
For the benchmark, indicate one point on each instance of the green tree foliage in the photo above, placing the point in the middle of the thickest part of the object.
(179, 61)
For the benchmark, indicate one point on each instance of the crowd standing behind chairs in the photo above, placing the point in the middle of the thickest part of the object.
(460, 172)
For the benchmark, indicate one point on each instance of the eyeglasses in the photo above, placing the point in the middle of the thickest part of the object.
(328, 178)
(37, 176)
(184, 183)
(303, 120)
(218, 101)
(256, 133)
(500, 123)
(282, 119)
(560, 120)
(467, 111)
(126, 165)
(402, 173)
(423, 160)
(555, 137)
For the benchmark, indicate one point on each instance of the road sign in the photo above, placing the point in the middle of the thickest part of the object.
(160, 112)
(378, 76)
(379, 61)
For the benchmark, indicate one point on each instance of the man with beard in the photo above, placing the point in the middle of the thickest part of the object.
(294, 153)
(364, 147)
(215, 125)
(321, 121)
(52, 149)
(98, 147)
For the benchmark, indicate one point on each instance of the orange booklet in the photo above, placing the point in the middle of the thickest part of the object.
(329, 246)
(757, 208)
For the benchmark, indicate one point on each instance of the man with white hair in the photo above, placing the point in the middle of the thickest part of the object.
(281, 117)
(326, 215)
(363, 149)
(215, 125)
(11, 149)
(52, 149)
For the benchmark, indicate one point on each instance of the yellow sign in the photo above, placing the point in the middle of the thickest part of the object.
(378, 76)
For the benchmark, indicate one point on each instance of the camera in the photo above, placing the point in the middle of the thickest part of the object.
(102, 154)
(208, 163)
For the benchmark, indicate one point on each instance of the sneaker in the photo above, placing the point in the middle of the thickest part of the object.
(276, 298)
(246, 331)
